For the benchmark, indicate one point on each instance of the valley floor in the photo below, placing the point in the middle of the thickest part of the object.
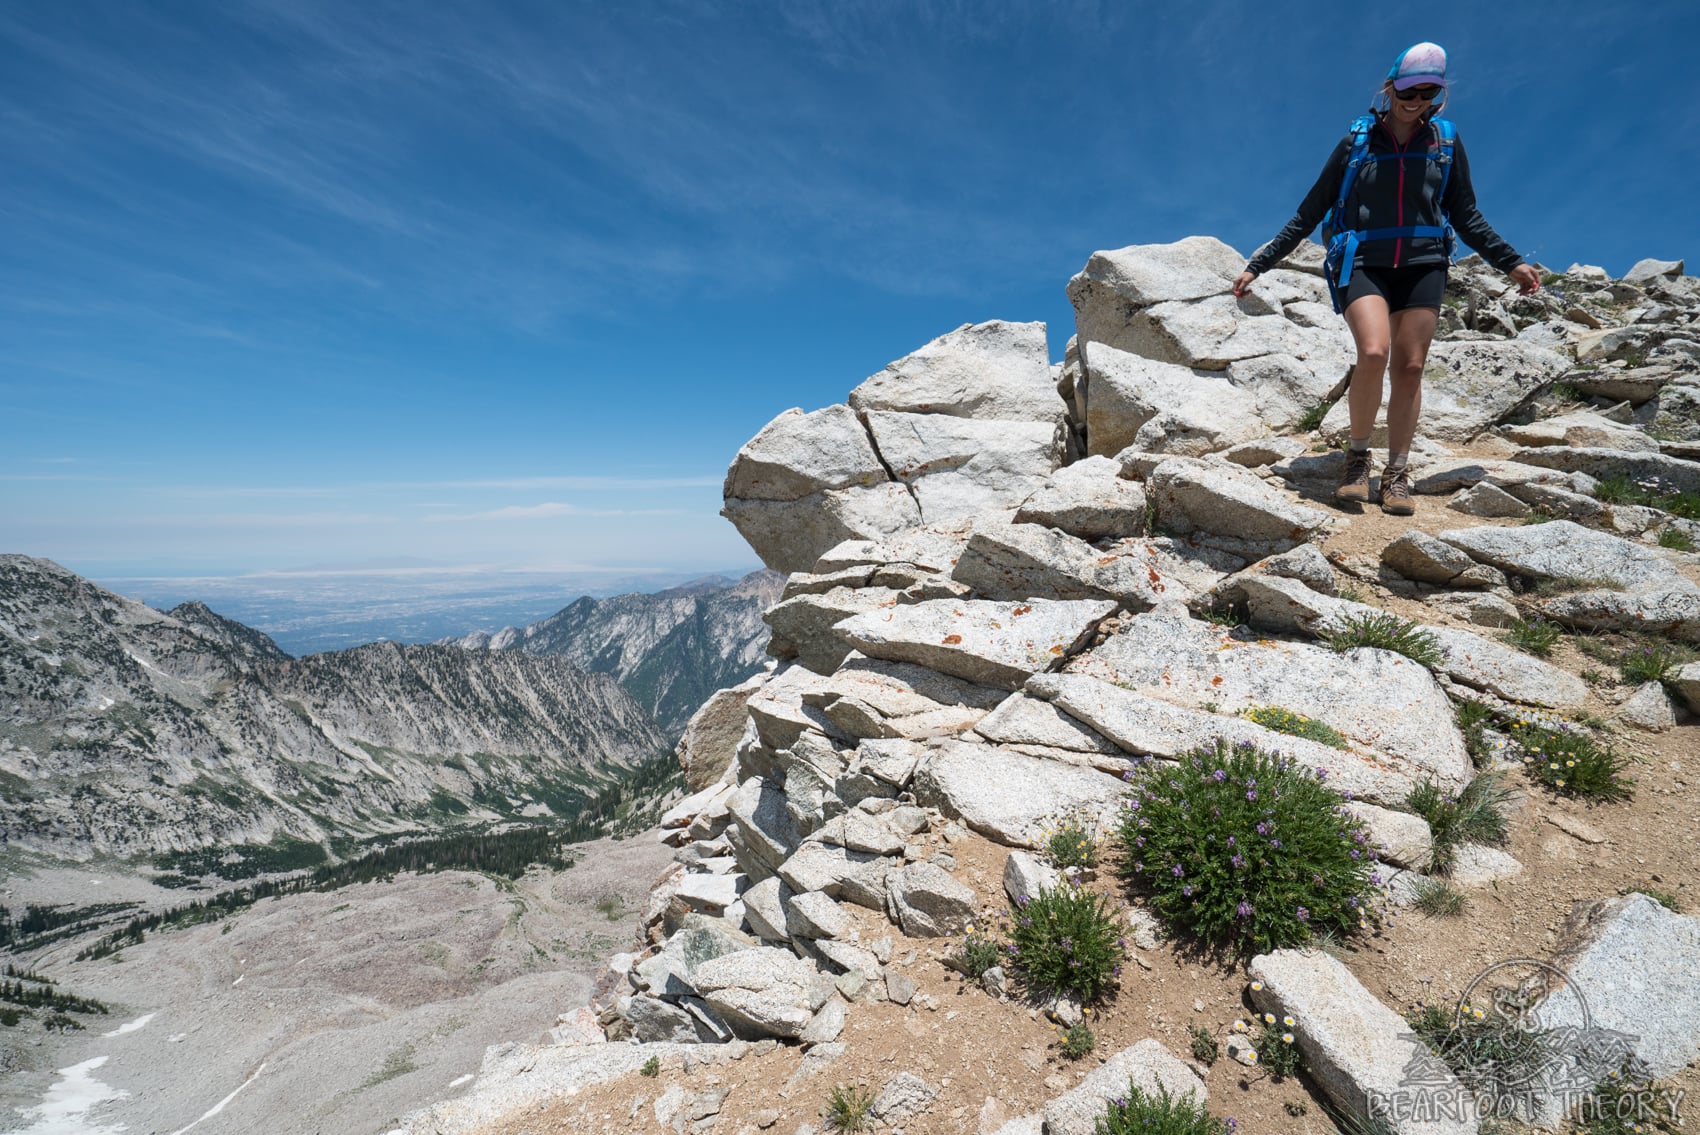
(317, 1013)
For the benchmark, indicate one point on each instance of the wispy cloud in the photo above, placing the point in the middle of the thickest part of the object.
(551, 510)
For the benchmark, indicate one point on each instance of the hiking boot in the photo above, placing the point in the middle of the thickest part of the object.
(1354, 482)
(1396, 492)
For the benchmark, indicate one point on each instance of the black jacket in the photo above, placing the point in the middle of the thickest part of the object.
(1393, 194)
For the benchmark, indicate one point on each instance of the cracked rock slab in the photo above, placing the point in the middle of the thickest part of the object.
(1192, 497)
(1004, 795)
(1154, 727)
(987, 642)
(930, 903)
(765, 991)
(1090, 500)
(1376, 699)
(990, 371)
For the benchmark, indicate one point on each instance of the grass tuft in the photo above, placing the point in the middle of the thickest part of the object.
(1437, 898)
(1475, 815)
(847, 1107)
(1311, 420)
(1387, 631)
(1537, 636)
(1676, 539)
(1649, 494)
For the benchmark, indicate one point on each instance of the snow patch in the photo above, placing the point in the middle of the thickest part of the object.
(131, 1026)
(219, 1106)
(64, 1110)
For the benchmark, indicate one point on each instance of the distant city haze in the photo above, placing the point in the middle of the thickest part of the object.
(502, 288)
(306, 612)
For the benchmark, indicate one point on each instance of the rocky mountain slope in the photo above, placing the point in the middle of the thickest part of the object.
(1015, 588)
(670, 649)
(127, 730)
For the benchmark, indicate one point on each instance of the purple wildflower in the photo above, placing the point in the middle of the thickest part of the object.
(1187, 890)
(1243, 910)
(1176, 871)
(1238, 861)
(1304, 915)
(1218, 776)
(1251, 794)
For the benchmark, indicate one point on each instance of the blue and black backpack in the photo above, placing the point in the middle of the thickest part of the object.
(1342, 243)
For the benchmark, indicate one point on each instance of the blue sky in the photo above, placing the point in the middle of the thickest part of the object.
(506, 284)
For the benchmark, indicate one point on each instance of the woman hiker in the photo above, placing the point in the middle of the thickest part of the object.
(1388, 226)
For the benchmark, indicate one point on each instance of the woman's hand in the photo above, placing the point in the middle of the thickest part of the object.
(1242, 283)
(1528, 280)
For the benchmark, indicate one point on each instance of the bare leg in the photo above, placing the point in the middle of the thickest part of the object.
(1412, 332)
(1367, 319)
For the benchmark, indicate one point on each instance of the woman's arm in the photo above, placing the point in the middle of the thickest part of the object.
(1311, 211)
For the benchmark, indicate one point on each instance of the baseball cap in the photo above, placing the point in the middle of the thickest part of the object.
(1419, 65)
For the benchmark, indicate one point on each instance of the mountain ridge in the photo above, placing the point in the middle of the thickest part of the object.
(670, 649)
(133, 730)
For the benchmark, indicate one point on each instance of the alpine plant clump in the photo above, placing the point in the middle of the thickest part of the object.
(1247, 850)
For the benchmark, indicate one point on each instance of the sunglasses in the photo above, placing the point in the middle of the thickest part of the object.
(1418, 94)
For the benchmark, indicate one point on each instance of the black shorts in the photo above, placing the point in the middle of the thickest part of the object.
(1421, 286)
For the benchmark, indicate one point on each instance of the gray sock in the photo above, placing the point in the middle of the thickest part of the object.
(1360, 445)
(1396, 461)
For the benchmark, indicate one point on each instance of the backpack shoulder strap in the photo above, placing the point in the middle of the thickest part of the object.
(1448, 139)
(1359, 130)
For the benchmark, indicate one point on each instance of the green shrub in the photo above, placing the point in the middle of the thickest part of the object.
(976, 954)
(1437, 898)
(847, 1107)
(1078, 1041)
(1205, 1050)
(1571, 762)
(1246, 850)
(1475, 815)
(1162, 1114)
(651, 1067)
(1676, 539)
(1652, 661)
(1067, 940)
(1537, 636)
(1539, 516)
(1297, 724)
(1386, 631)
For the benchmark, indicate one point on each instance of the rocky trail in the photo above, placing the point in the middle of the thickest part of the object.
(1020, 593)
